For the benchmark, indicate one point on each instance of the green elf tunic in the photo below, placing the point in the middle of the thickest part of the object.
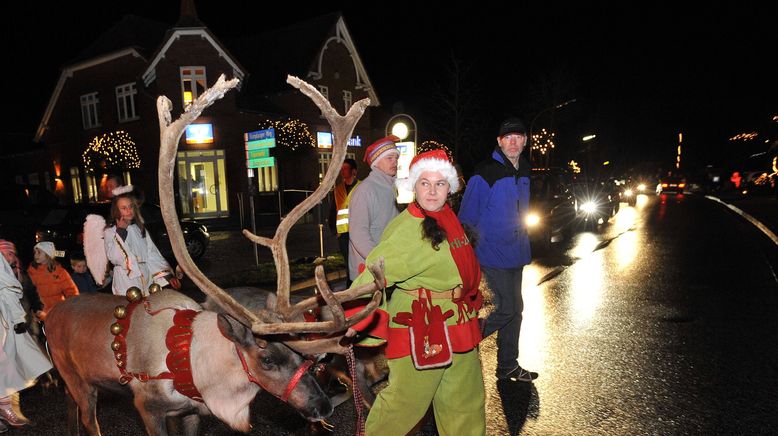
(413, 267)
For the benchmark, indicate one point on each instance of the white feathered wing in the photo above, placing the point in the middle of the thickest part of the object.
(94, 247)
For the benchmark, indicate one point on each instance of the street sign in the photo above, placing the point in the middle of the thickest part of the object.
(260, 139)
(256, 154)
(261, 162)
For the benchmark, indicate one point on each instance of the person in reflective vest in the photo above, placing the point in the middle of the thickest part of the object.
(339, 211)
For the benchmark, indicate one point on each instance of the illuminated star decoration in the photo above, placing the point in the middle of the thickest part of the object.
(291, 134)
(114, 150)
(543, 141)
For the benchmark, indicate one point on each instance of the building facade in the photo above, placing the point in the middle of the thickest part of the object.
(102, 116)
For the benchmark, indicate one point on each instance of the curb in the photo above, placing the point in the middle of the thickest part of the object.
(769, 233)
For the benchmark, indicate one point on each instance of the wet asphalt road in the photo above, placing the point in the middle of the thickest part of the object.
(659, 322)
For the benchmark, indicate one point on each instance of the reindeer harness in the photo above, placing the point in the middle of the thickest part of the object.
(178, 341)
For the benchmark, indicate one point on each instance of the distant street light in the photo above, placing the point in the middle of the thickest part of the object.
(532, 123)
(588, 137)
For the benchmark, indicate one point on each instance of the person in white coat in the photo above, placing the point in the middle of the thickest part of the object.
(136, 260)
(21, 359)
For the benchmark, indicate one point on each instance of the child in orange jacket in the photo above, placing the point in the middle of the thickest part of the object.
(52, 282)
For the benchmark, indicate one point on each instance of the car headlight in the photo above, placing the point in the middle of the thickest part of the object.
(532, 219)
(641, 187)
(628, 193)
(589, 207)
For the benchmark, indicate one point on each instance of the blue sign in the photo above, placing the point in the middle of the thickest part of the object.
(199, 134)
(259, 135)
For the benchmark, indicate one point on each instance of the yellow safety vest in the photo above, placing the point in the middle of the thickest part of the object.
(342, 200)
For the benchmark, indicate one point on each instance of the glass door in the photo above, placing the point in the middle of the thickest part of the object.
(202, 184)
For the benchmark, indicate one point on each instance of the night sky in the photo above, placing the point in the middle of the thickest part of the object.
(640, 72)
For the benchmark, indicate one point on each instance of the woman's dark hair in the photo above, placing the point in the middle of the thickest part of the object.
(430, 230)
(137, 217)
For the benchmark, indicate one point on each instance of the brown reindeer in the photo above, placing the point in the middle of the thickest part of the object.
(179, 360)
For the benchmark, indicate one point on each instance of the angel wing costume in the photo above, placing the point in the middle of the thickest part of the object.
(136, 260)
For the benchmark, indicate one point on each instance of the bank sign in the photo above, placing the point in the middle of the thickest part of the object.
(258, 145)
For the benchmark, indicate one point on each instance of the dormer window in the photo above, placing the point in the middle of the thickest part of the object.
(193, 84)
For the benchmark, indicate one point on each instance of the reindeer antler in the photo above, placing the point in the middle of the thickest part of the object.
(265, 322)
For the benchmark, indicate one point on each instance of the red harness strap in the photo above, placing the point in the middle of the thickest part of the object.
(298, 375)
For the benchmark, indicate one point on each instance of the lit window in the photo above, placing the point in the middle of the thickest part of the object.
(125, 102)
(90, 105)
(193, 83)
(346, 101)
(75, 182)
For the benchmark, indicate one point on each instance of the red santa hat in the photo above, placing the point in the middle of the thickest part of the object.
(433, 160)
(380, 149)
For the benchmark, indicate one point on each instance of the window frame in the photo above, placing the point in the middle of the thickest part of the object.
(90, 107)
(196, 78)
(125, 98)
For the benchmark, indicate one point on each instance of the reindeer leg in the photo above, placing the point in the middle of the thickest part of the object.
(73, 425)
(191, 425)
(154, 419)
(85, 398)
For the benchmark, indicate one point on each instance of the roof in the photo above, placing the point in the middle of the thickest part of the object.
(293, 50)
(131, 31)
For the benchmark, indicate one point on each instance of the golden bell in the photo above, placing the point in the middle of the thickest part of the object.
(134, 294)
(120, 363)
(116, 345)
(154, 288)
(120, 312)
(116, 328)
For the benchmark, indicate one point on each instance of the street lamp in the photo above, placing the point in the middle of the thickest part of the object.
(532, 123)
(403, 126)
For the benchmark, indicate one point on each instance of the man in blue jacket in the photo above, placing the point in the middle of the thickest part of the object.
(495, 203)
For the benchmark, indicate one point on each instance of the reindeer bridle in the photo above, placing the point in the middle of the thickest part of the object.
(293, 382)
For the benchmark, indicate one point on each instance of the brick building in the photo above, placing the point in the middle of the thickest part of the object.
(102, 118)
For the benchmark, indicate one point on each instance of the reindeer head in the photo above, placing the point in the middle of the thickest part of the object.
(277, 370)
(282, 320)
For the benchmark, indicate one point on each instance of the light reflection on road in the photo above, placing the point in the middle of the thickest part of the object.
(536, 323)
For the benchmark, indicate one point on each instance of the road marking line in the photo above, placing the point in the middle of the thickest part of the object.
(751, 219)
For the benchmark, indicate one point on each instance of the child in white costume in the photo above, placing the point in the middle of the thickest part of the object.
(128, 247)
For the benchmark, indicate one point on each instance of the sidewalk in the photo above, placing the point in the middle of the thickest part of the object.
(230, 261)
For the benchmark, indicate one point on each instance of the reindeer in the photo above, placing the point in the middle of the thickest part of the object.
(207, 362)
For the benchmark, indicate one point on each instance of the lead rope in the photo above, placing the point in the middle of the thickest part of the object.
(358, 400)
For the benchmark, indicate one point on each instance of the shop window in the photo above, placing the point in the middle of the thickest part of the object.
(193, 84)
(90, 106)
(75, 183)
(125, 102)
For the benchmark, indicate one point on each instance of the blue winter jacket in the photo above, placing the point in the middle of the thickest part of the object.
(495, 204)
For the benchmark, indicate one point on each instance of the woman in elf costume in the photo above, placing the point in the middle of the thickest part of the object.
(430, 321)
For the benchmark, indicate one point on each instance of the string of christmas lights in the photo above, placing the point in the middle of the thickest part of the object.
(573, 165)
(115, 150)
(291, 134)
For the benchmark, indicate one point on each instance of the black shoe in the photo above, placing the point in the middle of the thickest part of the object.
(518, 374)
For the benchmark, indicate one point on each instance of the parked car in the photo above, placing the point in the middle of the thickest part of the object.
(596, 201)
(65, 227)
(671, 184)
(552, 208)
